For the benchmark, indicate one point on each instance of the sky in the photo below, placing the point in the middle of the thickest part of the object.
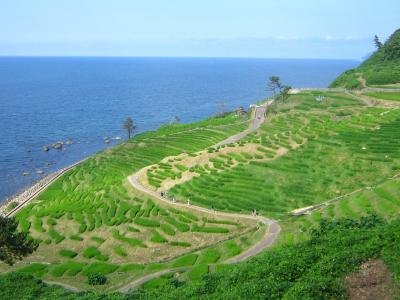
(337, 29)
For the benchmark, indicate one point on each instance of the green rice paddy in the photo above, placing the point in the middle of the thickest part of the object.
(91, 221)
(333, 147)
(309, 151)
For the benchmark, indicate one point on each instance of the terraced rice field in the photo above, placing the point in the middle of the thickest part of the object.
(307, 152)
(91, 221)
(382, 200)
(393, 96)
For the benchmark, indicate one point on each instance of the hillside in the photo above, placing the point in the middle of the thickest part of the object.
(381, 69)
(337, 154)
(308, 270)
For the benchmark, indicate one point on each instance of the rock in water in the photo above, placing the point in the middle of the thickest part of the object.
(57, 145)
(69, 142)
(45, 148)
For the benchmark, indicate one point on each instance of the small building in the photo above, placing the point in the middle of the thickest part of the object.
(240, 111)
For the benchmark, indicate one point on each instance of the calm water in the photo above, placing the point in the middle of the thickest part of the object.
(45, 100)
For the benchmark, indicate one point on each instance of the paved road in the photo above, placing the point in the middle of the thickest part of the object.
(273, 227)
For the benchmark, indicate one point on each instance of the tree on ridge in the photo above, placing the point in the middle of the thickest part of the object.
(129, 126)
(284, 94)
(378, 43)
(274, 84)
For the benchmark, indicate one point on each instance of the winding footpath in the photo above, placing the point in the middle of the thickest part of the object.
(266, 241)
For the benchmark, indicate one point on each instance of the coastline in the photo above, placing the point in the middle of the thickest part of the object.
(27, 195)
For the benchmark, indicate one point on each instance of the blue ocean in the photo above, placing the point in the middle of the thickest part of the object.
(44, 100)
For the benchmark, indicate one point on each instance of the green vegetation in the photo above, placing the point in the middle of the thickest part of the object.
(93, 252)
(313, 269)
(120, 250)
(100, 268)
(314, 147)
(68, 253)
(12, 205)
(14, 245)
(382, 68)
(393, 96)
(91, 213)
(97, 279)
(313, 136)
(156, 237)
(188, 260)
(70, 268)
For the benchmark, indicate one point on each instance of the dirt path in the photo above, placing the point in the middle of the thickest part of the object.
(273, 227)
(362, 80)
(141, 280)
(64, 285)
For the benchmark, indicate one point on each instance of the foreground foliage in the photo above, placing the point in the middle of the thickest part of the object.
(14, 245)
(309, 270)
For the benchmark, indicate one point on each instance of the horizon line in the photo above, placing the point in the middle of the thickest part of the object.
(173, 56)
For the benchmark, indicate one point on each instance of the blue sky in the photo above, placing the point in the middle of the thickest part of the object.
(216, 28)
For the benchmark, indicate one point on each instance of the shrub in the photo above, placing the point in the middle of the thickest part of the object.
(97, 279)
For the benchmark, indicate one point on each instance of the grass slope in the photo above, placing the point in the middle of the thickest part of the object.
(330, 149)
(90, 218)
(382, 68)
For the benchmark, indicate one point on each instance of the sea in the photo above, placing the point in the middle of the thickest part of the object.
(45, 100)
